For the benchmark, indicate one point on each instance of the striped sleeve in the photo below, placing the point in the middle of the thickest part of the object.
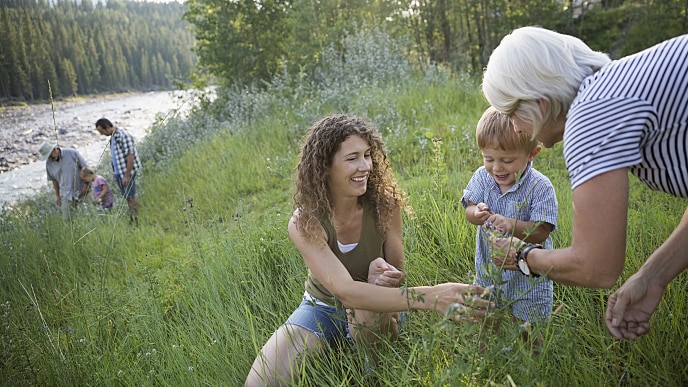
(633, 114)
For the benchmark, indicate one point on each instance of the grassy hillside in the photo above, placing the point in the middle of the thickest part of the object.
(189, 296)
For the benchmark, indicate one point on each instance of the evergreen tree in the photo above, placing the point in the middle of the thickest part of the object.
(84, 48)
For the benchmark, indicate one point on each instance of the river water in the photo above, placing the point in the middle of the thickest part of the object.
(73, 125)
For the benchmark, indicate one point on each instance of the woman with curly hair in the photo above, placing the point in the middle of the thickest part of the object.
(347, 227)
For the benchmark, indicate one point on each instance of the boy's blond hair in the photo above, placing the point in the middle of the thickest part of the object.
(495, 130)
(86, 171)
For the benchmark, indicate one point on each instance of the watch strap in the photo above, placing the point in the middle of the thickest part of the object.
(524, 255)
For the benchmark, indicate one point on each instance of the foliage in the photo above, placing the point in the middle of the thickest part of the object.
(367, 57)
(249, 42)
(82, 49)
(630, 28)
(654, 23)
(239, 41)
(86, 47)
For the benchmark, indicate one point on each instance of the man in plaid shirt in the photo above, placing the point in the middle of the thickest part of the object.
(125, 163)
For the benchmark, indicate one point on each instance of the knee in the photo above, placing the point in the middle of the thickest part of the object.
(275, 363)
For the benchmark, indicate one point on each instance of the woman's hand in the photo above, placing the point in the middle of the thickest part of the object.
(629, 309)
(459, 302)
(504, 252)
(382, 273)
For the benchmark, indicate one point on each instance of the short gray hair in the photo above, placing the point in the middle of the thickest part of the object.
(532, 63)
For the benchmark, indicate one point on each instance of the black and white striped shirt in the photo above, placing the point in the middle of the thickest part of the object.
(633, 113)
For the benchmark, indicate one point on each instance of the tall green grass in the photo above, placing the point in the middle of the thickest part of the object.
(190, 295)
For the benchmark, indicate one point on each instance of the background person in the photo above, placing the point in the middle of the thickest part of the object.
(508, 196)
(347, 227)
(614, 117)
(63, 167)
(101, 189)
(125, 163)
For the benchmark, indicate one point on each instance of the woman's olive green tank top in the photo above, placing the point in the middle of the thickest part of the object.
(356, 261)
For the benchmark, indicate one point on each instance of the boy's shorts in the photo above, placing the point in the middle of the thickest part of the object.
(529, 298)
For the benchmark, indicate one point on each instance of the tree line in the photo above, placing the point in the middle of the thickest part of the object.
(248, 41)
(66, 47)
(101, 46)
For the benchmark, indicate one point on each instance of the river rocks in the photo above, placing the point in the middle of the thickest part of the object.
(72, 124)
(69, 123)
(22, 135)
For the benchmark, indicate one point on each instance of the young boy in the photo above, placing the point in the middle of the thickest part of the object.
(508, 196)
(101, 190)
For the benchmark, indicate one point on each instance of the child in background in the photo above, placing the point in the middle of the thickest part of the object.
(507, 195)
(101, 189)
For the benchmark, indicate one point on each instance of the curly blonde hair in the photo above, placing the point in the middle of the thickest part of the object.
(312, 197)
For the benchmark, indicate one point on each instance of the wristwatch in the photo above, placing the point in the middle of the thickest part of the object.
(522, 259)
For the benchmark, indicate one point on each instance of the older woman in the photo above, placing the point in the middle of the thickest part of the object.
(614, 117)
(347, 227)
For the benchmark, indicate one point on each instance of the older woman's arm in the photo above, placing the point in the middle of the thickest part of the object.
(631, 306)
(597, 253)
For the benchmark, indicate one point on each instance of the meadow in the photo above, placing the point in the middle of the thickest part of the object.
(189, 296)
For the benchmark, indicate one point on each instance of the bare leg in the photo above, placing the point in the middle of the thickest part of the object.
(276, 362)
(133, 206)
(368, 327)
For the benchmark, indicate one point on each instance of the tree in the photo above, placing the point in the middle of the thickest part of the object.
(239, 41)
(68, 77)
(95, 48)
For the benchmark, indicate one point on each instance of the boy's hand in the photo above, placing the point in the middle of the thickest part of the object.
(500, 223)
(490, 220)
(482, 212)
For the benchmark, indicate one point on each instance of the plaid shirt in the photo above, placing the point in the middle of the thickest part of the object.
(122, 144)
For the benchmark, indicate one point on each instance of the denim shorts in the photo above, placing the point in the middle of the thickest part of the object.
(328, 323)
(128, 191)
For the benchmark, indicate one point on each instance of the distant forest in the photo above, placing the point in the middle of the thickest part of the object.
(104, 46)
(82, 47)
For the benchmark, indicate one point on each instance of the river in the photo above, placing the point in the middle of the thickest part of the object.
(25, 128)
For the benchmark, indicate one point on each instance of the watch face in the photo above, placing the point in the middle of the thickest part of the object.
(523, 266)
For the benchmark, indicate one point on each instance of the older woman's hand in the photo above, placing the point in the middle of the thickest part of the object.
(504, 252)
(629, 309)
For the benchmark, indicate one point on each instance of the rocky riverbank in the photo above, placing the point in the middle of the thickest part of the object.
(23, 132)
(72, 125)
